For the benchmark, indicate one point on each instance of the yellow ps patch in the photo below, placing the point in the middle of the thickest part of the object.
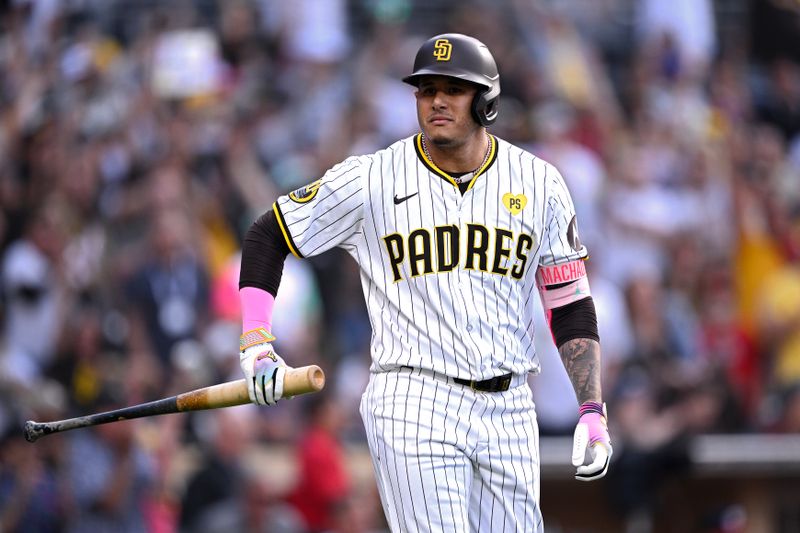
(514, 203)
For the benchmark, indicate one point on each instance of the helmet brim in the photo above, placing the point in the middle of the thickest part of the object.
(413, 79)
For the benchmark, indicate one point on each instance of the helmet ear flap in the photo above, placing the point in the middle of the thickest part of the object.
(484, 107)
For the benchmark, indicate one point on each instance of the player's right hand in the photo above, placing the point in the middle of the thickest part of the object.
(592, 434)
(263, 369)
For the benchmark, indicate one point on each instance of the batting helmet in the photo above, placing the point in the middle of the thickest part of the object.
(466, 58)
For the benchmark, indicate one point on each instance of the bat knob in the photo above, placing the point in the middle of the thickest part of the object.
(33, 430)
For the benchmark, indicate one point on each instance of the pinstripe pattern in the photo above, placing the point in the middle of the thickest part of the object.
(464, 323)
(471, 318)
(430, 460)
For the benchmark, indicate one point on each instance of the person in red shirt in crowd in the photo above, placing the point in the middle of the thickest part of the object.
(323, 481)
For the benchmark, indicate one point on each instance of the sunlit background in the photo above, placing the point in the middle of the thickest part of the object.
(139, 139)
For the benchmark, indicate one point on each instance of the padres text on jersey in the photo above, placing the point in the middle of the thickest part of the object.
(428, 253)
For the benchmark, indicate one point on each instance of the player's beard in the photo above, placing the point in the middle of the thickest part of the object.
(450, 141)
(444, 142)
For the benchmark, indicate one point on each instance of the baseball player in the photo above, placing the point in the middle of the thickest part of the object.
(454, 231)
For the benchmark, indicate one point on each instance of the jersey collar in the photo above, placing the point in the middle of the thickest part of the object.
(436, 170)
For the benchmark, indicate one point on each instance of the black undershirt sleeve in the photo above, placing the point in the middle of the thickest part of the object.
(263, 253)
(576, 320)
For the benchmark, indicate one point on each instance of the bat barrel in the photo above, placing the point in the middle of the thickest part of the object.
(303, 380)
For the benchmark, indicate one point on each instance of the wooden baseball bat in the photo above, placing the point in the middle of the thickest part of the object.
(297, 381)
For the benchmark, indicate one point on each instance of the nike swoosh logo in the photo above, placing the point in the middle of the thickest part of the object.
(398, 201)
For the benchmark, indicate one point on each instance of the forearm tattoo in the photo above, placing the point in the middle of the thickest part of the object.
(581, 358)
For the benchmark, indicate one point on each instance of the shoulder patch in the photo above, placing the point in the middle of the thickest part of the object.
(572, 235)
(307, 193)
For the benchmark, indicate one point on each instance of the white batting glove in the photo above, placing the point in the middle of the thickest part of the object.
(592, 434)
(263, 369)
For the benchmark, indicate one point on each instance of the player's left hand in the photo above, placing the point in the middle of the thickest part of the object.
(591, 433)
(263, 369)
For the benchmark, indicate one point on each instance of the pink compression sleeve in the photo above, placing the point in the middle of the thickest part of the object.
(257, 307)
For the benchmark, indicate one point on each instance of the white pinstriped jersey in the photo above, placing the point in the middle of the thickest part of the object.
(448, 278)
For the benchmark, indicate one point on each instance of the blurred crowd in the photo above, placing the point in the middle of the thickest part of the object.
(140, 139)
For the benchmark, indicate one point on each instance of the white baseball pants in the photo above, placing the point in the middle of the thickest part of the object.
(450, 459)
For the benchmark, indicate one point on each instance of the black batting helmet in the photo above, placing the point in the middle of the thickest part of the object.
(466, 58)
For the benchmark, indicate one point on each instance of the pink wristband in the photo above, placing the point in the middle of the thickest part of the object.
(257, 307)
(591, 407)
(593, 415)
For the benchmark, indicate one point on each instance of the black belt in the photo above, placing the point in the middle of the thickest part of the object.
(495, 384)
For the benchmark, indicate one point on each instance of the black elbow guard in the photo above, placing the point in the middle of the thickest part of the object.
(576, 320)
(263, 254)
